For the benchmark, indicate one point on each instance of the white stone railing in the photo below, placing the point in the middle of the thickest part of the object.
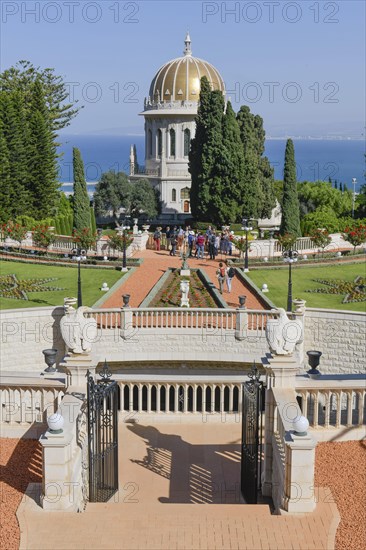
(178, 173)
(29, 401)
(64, 245)
(304, 243)
(333, 402)
(251, 321)
(169, 396)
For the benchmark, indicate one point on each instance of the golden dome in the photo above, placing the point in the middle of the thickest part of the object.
(179, 79)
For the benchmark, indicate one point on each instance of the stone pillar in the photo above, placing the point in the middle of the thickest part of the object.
(62, 480)
(281, 371)
(77, 366)
(126, 322)
(241, 326)
(299, 474)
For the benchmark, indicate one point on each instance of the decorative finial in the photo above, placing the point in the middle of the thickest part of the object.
(187, 42)
(105, 373)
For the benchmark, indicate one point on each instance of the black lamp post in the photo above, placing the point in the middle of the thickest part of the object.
(124, 241)
(246, 228)
(79, 254)
(290, 256)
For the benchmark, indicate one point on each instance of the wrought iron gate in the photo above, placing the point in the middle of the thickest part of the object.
(103, 436)
(251, 449)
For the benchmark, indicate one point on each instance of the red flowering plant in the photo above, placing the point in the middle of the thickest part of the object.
(241, 244)
(84, 238)
(43, 237)
(120, 241)
(14, 231)
(287, 241)
(355, 235)
(321, 238)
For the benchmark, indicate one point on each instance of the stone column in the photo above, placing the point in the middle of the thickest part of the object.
(77, 366)
(62, 480)
(241, 326)
(299, 474)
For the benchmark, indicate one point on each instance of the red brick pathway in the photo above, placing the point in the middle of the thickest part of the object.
(139, 284)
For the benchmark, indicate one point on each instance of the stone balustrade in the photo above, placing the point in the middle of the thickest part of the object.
(252, 321)
(28, 400)
(333, 401)
(187, 395)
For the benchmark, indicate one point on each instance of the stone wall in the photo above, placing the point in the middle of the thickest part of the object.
(24, 333)
(340, 336)
(178, 345)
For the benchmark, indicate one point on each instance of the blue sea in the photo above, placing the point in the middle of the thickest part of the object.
(340, 160)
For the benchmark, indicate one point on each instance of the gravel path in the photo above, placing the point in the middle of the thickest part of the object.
(342, 467)
(20, 464)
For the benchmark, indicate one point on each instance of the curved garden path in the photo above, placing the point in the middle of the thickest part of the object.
(139, 284)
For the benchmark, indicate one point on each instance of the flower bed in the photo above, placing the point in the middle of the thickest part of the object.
(11, 287)
(170, 294)
(355, 291)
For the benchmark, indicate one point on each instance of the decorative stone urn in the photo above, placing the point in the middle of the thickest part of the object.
(314, 360)
(242, 300)
(126, 300)
(146, 228)
(135, 228)
(184, 287)
(50, 359)
(299, 305)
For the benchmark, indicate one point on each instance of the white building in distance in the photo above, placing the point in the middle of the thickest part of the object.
(170, 112)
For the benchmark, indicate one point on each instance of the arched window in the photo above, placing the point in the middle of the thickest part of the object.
(187, 141)
(184, 193)
(174, 195)
(149, 142)
(172, 142)
(160, 143)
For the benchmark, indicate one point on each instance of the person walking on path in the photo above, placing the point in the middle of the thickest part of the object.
(221, 275)
(173, 244)
(230, 274)
(211, 245)
(157, 238)
(191, 241)
(200, 244)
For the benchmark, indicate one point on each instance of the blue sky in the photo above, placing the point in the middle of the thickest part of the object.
(300, 65)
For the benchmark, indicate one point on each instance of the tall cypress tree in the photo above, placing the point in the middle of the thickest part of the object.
(205, 151)
(266, 172)
(196, 150)
(43, 184)
(251, 190)
(290, 222)
(81, 202)
(226, 198)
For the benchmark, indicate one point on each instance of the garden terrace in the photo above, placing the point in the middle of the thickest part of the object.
(202, 293)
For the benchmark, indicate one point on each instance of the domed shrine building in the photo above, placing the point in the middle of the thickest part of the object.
(170, 112)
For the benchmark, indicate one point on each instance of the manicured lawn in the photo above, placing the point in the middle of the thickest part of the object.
(277, 280)
(92, 280)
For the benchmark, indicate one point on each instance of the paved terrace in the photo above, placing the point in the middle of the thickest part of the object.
(179, 488)
(139, 284)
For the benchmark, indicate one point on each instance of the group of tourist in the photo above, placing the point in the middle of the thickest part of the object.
(195, 244)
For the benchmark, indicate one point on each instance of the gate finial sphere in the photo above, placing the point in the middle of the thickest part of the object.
(55, 423)
(301, 425)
